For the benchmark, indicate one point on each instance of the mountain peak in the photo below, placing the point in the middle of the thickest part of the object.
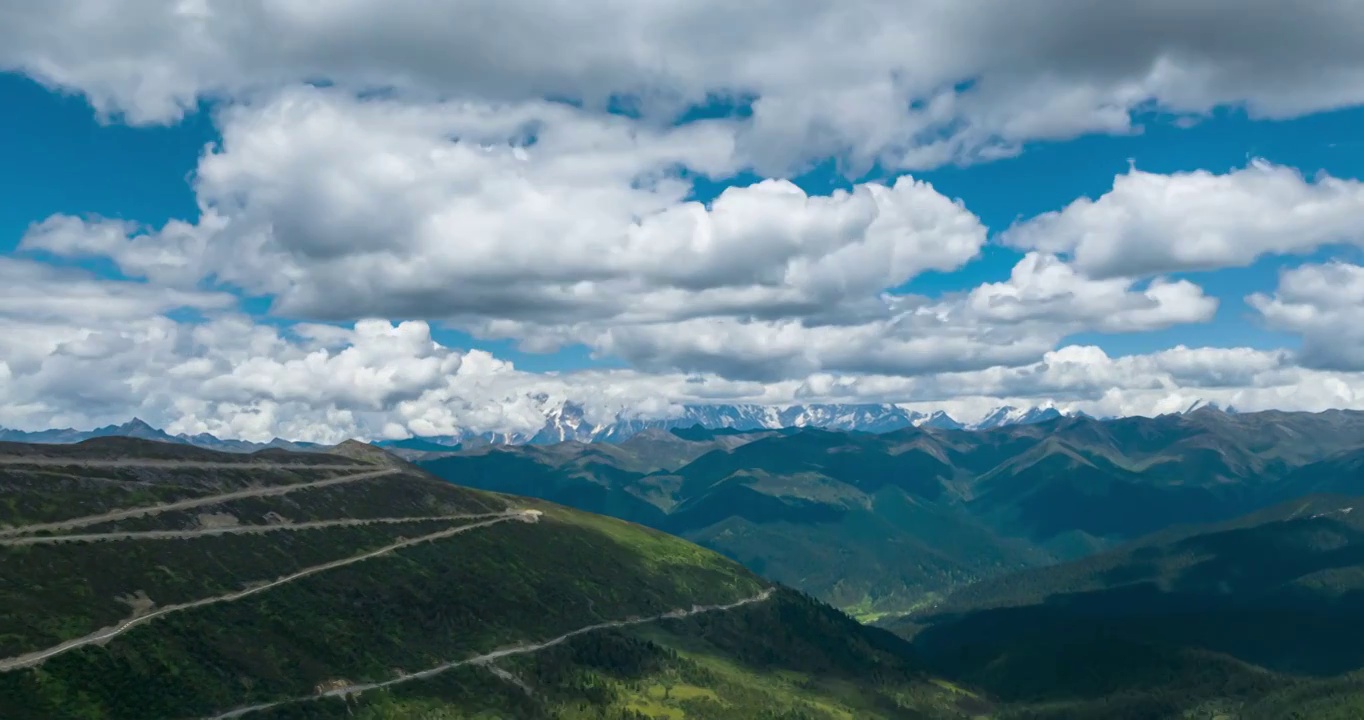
(655, 433)
(137, 428)
(358, 450)
(938, 420)
(1010, 415)
(1207, 406)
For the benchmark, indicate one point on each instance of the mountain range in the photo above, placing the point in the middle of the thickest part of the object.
(139, 429)
(889, 523)
(147, 581)
(1261, 616)
(1203, 565)
(566, 422)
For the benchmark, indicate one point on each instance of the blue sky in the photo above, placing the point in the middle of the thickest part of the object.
(62, 159)
(377, 181)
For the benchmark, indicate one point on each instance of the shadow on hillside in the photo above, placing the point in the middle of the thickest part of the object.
(1289, 598)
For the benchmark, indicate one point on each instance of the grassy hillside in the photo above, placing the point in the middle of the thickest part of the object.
(1245, 619)
(128, 591)
(887, 524)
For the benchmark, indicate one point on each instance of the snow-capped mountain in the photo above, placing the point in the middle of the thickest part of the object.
(567, 421)
(860, 417)
(569, 425)
(938, 420)
(1010, 415)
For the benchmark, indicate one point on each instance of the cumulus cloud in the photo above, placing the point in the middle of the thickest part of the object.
(1324, 305)
(551, 226)
(83, 351)
(1151, 223)
(342, 208)
(457, 194)
(908, 84)
(997, 324)
(904, 344)
(171, 256)
(235, 378)
(377, 379)
(1043, 289)
(38, 291)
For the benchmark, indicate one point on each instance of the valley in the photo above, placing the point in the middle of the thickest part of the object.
(682, 360)
(1204, 565)
(885, 524)
(134, 586)
(1258, 617)
(566, 421)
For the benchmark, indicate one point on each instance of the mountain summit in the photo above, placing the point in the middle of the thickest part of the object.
(567, 421)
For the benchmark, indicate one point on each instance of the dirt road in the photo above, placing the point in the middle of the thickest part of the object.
(43, 461)
(497, 655)
(229, 530)
(105, 634)
(126, 513)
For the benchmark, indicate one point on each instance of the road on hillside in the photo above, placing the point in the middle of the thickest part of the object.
(105, 634)
(488, 658)
(126, 513)
(229, 530)
(48, 461)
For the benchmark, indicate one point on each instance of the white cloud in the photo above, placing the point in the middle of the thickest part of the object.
(911, 84)
(460, 195)
(905, 344)
(345, 208)
(1086, 378)
(1324, 304)
(236, 379)
(110, 356)
(173, 255)
(550, 226)
(37, 291)
(997, 324)
(1150, 223)
(1042, 288)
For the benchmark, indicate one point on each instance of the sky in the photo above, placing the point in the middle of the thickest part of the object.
(383, 218)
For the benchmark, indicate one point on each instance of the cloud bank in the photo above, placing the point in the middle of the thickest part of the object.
(389, 173)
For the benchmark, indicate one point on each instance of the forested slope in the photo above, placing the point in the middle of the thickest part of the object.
(481, 605)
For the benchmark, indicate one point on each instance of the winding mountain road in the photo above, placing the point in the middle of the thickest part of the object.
(105, 634)
(230, 530)
(48, 461)
(495, 655)
(266, 491)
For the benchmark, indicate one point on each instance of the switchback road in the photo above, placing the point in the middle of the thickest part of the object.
(495, 655)
(125, 513)
(108, 633)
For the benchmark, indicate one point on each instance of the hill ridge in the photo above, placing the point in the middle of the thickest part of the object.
(348, 691)
(208, 606)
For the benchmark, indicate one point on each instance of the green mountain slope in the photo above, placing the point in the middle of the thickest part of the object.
(137, 584)
(1341, 473)
(832, 514)
(886, 524)
(1247, 617)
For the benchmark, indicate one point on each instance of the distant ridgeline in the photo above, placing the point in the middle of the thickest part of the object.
(145, 581)
(888, 523)
(1258, 617)
(1203, 565)
(1215, 570)
(566, 421)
